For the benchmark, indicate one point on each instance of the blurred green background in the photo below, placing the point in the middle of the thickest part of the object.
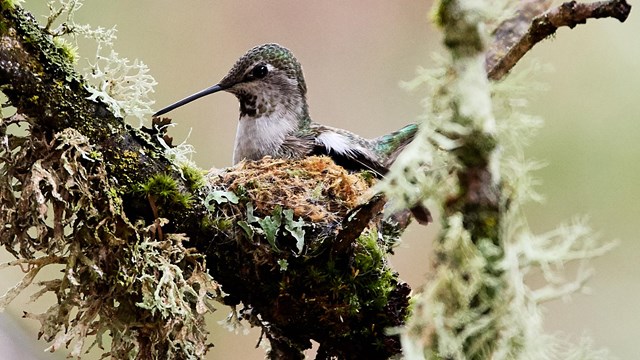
(354, 55)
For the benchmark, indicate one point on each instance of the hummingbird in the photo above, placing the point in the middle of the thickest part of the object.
(274, 118)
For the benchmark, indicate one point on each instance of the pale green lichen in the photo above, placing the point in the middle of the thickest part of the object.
(61, 13)
(478, 303)
(123, 85)
(450, 301)
(422, 170)
(67, 214)
(181, 154)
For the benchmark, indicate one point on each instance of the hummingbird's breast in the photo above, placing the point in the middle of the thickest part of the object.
(257, 137)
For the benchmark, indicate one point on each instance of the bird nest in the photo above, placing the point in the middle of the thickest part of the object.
(315, 188)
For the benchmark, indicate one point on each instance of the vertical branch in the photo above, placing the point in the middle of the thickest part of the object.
(463, 301)
(473, 212)
(477, 304)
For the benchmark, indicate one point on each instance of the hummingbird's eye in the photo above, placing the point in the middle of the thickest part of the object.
(259, 71)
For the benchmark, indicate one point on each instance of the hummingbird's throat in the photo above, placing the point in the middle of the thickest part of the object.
(249, 106)
(269, 112)
(259, 136)
(266, 98)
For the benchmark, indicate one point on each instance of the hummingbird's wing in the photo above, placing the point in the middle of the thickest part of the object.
(349, 156)
(353, 152)
(348, 150)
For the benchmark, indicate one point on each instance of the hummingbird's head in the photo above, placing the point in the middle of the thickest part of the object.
(265, 66)
(264, 78)
(267, 78)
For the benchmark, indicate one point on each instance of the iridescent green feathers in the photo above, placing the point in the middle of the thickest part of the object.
(274, 54)
(388, 146)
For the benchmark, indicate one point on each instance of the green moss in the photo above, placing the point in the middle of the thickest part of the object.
(194, 177)
(352, 288)
(95, 155)
(368, 176)
(10, 4)
(66, 49)
(316, 194)
(164, 190)
(372, 278)
(241, 192)
(221, 223)
(296, 172)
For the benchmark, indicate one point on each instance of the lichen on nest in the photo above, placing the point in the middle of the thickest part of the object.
(287, 250)
(315, 188)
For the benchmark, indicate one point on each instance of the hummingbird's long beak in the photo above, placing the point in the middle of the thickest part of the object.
(188, 99)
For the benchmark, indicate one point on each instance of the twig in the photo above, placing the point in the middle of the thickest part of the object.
(356, 221)
(513, 41)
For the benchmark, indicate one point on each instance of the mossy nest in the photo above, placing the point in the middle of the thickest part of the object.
(303, 248)
(315, 188)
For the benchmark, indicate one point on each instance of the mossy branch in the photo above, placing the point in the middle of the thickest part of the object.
(126, 221)
(477, 304)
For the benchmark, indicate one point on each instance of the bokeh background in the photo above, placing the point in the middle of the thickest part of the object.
(354, 55)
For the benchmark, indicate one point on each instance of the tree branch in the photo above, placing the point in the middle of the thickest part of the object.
(516, 36)
(278, 261)
(476, 304)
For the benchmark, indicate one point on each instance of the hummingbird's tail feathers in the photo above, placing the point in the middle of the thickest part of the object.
(390, 145)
